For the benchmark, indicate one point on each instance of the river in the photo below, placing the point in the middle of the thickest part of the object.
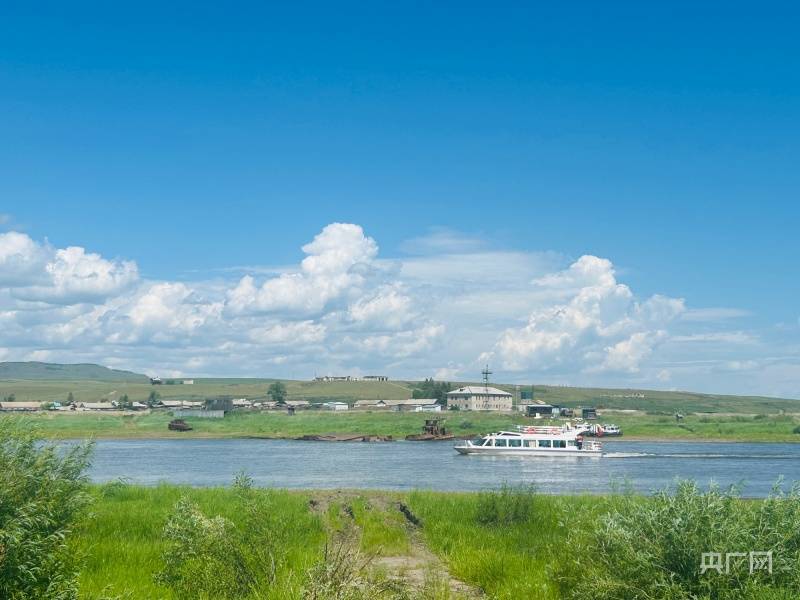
(645, 466)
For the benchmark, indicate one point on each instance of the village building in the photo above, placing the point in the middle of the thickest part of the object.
(370, 404)
(334, 378)
(336, 406)
(428, 408)
(297, 403)
(480, 397)
(172, 404)
(375, 378)
(97, 406)
(20, 406)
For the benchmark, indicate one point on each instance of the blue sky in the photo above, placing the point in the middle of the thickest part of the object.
(192, 140)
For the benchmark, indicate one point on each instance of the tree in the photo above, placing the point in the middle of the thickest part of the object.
(42, 493)
(152, 399)
(277, 391)
(124, 403)
(70, 398)
(432, 389)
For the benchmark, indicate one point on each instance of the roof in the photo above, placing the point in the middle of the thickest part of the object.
(478, 390)
(181, 403)
(369, 402)
(97, 405)
(410, 402)
(20, 405)
(297, 403)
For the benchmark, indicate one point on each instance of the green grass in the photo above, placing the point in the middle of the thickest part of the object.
(122, 538)
(277, 424)
(274, 424)
(507, 554)
(759, 428)
(383, 527)
(506, 544)
(122, 543)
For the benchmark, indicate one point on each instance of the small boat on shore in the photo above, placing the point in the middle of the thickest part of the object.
(565, 440)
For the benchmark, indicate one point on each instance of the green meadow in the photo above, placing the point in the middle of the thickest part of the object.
(278, 424)
(151, 543)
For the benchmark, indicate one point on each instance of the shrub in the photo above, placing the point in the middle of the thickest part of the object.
(796, 429)
(465, 425)
(213, 557)
(42, 492)
(509, 506)
(652, 548)
(202, 557)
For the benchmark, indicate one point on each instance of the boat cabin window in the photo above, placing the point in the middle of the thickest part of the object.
(530, 443)
(572, 443)
(559, 443)
(544, 443)
(515, 443)
(500, 443)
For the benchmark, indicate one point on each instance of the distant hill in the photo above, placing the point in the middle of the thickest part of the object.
(52, 371)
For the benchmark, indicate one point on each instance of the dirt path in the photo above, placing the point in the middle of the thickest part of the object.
(418, 568)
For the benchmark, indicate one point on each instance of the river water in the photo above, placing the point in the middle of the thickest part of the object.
(645, 466)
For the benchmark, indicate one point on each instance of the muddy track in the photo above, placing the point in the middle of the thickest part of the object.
(418, 568)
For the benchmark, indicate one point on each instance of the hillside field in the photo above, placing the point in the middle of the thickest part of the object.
(90, 390)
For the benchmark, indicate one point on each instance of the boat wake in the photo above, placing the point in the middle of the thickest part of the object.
(704, 456)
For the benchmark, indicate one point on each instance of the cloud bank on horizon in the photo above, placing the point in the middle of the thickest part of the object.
(443, 310)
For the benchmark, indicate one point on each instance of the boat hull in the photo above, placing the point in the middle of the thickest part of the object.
(493, 451)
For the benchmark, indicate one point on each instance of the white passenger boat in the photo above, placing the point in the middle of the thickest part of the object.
(565, 440)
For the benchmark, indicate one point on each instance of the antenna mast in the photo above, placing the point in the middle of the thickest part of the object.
(486, 372)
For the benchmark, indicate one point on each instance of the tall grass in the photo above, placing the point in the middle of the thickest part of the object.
(654, 548)
(501, 542)
(512, 543)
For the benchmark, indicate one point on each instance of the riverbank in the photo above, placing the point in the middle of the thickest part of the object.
(279, 425)
(153, 543)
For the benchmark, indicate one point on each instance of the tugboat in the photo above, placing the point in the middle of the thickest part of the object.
(566, 440)
(179, 425)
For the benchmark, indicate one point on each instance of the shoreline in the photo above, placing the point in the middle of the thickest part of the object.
(213, 436)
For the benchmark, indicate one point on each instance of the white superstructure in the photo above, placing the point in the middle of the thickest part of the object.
(566, 440)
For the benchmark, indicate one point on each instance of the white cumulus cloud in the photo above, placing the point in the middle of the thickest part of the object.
(599, 326)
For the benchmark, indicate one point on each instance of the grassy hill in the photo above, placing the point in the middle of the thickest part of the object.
(39, 371)
(656, 401)
(43, 382)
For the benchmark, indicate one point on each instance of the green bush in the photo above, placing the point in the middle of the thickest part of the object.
(211, 557)
(653, 548)
(42, 493)
(796, 429)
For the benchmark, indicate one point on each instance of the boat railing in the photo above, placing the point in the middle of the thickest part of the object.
(541, 429)
(592, 445)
